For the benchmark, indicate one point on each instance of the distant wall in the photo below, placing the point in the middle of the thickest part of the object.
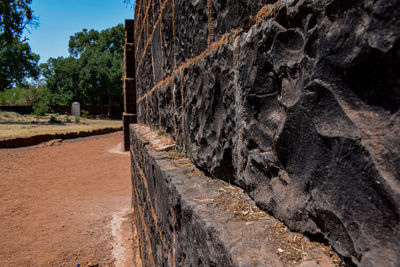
(93, 110)
(18, 109)
(298, 104)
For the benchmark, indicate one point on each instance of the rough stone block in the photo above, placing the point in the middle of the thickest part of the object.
(141, 111)
(166, 27)
(234, 14)
(145, 81)
(157, 55)
(167, 102)
(209, 113)
(191, 28)
(185, 218)
(152, 115)
(300, 109)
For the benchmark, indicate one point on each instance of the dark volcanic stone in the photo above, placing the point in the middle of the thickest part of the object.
(145, 82)
(232, 14)
(300, 110)
(209, 113)
(157, 55)
(185, 218)
(167, 41)
(141, 111)
(167, 113)
(191, 29)
(178, 113)
(312, 126)
(153, 110)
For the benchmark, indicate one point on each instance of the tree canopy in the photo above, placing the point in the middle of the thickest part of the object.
(16, 63)
(92, 73)
(15, 16)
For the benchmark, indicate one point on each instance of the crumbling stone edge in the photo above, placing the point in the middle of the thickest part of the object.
(185, 218)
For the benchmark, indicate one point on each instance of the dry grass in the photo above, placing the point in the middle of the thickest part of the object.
(293, 247)
(14, 125)
(233, 199)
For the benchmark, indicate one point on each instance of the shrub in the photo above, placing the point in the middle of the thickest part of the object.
(84, 113)
(54, 118)
(67, 119)
(40, 108)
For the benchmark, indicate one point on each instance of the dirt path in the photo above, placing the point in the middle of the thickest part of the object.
(66, 204)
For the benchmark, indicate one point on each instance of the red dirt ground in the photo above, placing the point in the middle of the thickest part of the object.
(63, 204)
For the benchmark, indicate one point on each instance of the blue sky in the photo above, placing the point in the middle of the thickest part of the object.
(59, 19)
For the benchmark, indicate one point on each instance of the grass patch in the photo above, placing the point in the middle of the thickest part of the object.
(54, 118)
(177, 154)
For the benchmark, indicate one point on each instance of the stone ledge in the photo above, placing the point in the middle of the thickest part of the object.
(185, 218)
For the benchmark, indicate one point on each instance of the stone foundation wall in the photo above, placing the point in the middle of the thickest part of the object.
(297, 104)
(185, 218)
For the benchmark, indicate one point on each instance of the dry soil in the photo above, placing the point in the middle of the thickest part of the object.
(67, 203)
(13, 125)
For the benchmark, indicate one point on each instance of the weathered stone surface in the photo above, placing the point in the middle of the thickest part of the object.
(157, 54)
(145, 81)
(184, 218)
(232, 14)
(301, 110)
(167, 102)
(210, 112)
(141, 111)
(167, 41)
(153, 109)
(191, 29)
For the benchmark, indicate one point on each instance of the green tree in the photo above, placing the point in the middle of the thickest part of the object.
(15, 16)
(100, 55)
(16, 63)
(92, 74)
(25, 95)
(62, 80)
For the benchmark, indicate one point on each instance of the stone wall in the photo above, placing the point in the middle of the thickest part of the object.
(129, 81)
(185, 218)
(298, 104)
